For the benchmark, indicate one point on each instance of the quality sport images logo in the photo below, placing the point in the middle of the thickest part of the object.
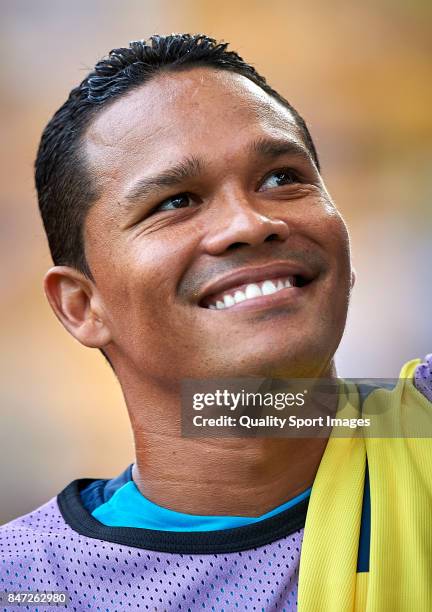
(303, 408)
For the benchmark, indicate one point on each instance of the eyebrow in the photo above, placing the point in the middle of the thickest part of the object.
(271, 148)
(192, 167)
(187, 168)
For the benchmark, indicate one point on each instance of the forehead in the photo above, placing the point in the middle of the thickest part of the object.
(198, 111)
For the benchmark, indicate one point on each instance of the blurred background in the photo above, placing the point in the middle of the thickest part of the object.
(360, 75)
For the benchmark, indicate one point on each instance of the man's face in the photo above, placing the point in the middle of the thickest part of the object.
(210, 208)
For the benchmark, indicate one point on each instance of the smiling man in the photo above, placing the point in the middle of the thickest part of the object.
(193, 238)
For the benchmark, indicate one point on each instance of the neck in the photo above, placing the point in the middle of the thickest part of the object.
(217, 477)
(214, 476)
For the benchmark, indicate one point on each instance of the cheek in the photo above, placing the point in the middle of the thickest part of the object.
(139, 285)
(332, 234)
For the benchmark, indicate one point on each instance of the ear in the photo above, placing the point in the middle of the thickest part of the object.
(353, 277)
(76, 303)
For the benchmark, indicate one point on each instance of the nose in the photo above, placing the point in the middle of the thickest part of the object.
(236, 223)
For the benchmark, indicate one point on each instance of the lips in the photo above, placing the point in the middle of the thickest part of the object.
(252, 283)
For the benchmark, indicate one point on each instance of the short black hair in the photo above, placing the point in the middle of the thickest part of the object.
(64, 185)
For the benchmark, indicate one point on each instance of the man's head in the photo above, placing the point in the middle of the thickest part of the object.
(174, 181)
(66, 188)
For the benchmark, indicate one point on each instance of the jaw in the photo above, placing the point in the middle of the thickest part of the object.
(284, 340)
(294, 336)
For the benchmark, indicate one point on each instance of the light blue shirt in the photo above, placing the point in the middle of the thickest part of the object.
(129, 508)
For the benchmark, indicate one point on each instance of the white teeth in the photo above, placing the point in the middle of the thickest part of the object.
(228, 300)
(268, 287)
(239, 296)
(253, 291)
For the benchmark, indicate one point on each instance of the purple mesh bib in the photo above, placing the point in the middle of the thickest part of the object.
(247, 568)
(61, 547)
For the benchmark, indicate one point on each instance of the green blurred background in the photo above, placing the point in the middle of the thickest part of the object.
(360, 73)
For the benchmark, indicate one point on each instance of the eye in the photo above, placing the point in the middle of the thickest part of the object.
(181, 200)
(279, 178)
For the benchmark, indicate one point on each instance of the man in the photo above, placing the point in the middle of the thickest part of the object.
(193, 238)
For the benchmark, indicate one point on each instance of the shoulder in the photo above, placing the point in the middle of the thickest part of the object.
(423, 376)
(29, 536)
(417, 374)
(46, 518)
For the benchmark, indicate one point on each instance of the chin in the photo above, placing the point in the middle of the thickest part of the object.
(262, 362)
